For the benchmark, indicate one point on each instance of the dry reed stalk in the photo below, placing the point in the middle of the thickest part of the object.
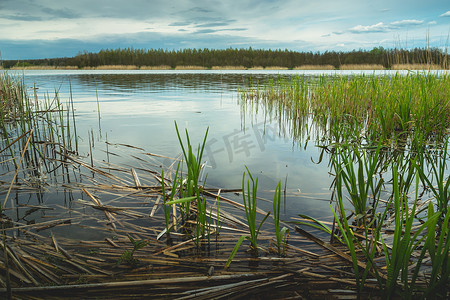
(30, 132)
(416, 67)
(131, 284)
(328, 246)
(161, 67)
(108, 214)
(315, 67)
(34, 68)
(361, 67)
(190, 68)
(116, 67)
(228, 68)
(276, 68)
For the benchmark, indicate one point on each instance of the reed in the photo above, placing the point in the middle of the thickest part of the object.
(364, 107)
(416, 67)
(189, 188)
(437, 244)
(404, 243)
(250, 206)
(315, 67)
(162, 67)
(361, 183)
(228, 68)
(361, 67)
(190, 68)
(283, 234)
(250, 209)
(117, 67)
(435, 179)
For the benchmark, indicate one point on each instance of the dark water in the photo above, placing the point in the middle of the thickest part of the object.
(139, 108)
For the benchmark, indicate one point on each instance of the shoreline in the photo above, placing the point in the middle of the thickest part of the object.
(303, 67)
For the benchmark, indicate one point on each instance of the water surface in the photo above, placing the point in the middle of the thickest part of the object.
(139, 108)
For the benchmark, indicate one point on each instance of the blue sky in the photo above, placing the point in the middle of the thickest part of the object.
(60, 28)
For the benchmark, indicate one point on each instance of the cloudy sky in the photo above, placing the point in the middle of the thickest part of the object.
(58, 28)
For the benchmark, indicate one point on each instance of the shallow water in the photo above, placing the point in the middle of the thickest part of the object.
(139, 108)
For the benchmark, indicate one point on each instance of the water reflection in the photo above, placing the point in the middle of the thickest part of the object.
(139, 109)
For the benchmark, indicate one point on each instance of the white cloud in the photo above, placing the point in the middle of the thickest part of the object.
(379, 27)
(406, 23)
(432, 23)
(382, 27)
(447, 14)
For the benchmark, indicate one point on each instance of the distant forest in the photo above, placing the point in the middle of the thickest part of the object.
(247, 58)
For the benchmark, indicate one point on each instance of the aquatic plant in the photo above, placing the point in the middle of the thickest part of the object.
(250, 207)
(364, 107)
(128, 256)
(189, 189)
(405, 241)
(283, 234)
(362, 183)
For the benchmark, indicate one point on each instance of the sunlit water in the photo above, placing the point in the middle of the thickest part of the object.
(139, 108)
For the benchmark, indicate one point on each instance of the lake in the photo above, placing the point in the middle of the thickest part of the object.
(88, 217)
(139, 108)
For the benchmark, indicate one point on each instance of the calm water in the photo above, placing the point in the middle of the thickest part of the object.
(139, 108)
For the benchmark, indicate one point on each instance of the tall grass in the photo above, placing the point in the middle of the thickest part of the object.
(189, 190)
(361, 183)
(250, 206)
(373, 108)
(283, 233)
(49, 121)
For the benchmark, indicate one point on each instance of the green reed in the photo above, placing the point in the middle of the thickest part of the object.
(189, 189)
(376, 108)
(347, 234)
(362, 182)
(435, 179)
(283, 234)
(409, 235)
(437, 244)
(405, 241)
(250, 207)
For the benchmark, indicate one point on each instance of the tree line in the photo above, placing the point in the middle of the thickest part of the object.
(247, 58)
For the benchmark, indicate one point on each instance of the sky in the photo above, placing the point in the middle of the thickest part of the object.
(63, 28)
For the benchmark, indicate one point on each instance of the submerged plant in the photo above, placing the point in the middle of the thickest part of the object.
(128, 256)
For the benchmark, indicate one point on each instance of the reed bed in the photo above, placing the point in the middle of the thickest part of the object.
(416, 67)
(361, 67)
(114, 67)
(120, 207)
(387, 138)
(370, 108)
(315, 67)
(162, 67)
(190, 68)
(228, 68)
